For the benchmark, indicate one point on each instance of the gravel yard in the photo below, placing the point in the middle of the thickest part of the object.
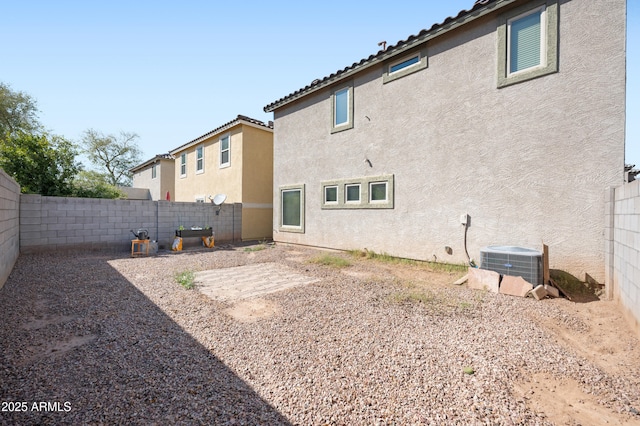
(104, 339)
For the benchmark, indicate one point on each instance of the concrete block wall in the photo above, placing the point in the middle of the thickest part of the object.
(622, 246)
(227, 225)
(63, 223)
(9, 221)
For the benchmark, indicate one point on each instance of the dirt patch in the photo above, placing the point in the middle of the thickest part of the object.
(564, 403)
(249, 311)
(42, 321)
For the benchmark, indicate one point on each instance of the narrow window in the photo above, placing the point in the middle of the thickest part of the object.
(200, 159)
(183, 164)
(225, 159)
(342, 107)
(154, 172)
(291, 203)
(404, 63)
(352, 193)
(330, 194)
(378, 192)
(525, 41)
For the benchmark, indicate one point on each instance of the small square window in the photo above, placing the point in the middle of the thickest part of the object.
(225, 152)
(378, 192)
(183, 164)
(352, 193)
(331, 195)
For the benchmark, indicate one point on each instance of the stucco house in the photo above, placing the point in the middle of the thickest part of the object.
(235, 159)
(509, 116)
(157, 175)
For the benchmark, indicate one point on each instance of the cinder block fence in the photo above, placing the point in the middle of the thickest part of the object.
(63, 223)
(622, 246)
(9, 221)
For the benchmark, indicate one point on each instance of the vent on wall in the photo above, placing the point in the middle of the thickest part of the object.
(515, 261)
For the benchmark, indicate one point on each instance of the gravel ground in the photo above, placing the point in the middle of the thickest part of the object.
(104, 339)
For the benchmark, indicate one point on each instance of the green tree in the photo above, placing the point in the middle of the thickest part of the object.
(18, 114)
(41, 164)
(113, 155)
(92, 184)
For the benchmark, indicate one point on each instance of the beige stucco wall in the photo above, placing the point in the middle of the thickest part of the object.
(257, 175)
(247, 180)
(163, 182)
(214, 180)
(529, 162)
(256, 223)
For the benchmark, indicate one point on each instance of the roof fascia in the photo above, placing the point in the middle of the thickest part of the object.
(217, 132)
(442, 29)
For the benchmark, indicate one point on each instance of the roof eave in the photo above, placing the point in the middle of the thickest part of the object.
(392, 51)
(219, 130)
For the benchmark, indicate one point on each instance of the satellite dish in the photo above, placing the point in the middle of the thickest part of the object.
(219, 199)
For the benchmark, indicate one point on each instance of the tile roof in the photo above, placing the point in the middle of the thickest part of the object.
(238, 120)
(401, 46)
(155, 159)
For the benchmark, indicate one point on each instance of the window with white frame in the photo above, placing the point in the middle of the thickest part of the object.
(154, 171)
(528, 42)
(200, 159)
(342, 109)
(331, 194)
(405, 65)
(225, 151)
(292, 208)
(525, 41)
(370, 192)
(378, 192)
(352, 193)
(183, 164)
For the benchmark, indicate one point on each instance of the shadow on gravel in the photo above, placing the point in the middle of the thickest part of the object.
(81, 345)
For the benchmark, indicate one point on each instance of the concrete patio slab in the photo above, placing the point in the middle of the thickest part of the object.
(243, 282)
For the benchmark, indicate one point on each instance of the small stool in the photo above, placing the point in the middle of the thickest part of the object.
(142, 248)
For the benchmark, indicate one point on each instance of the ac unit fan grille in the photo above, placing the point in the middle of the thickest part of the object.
(514, 261)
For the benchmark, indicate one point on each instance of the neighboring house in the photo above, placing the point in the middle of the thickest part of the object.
(512, 112)
(236, 159)
(157, 175)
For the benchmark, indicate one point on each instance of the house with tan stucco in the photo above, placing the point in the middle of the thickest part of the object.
(157, 175)
(235, 159)
(503, 124)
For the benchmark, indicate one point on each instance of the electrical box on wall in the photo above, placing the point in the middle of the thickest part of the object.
(464, 219)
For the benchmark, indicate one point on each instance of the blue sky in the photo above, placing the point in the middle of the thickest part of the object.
(172, 71)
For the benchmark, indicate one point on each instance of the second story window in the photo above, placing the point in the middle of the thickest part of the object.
(154, 171)
(200, 159)
(526, 41)
(183, 164)
(225, 151)
(342, 107)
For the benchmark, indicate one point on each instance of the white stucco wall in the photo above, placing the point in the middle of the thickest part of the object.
(529, 162)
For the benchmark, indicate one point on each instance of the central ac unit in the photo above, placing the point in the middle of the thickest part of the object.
(515, 261)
